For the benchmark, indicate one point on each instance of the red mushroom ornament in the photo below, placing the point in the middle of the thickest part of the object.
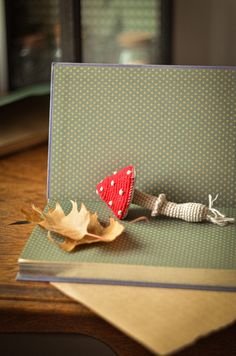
(118, 191)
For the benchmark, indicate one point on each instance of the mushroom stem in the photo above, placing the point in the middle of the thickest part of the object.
(191, 212)
(147, 201)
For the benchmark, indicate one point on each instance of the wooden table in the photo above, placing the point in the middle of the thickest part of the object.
(38, 307)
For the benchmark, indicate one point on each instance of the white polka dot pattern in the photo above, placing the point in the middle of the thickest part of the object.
(176, 126)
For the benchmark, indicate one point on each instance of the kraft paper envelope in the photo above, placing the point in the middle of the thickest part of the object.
(163, 320)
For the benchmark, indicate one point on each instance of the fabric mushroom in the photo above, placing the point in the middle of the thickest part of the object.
(118, 191)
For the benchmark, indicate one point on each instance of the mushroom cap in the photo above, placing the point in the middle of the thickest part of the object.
(117, 191)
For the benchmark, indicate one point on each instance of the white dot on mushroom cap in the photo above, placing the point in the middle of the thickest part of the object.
(110, 203)
(112, 182)
(128, 172)
(115, 172)
(120, 212)
(121, 192)
(101, 189)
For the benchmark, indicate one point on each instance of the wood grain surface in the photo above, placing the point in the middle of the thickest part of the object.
(38, 307)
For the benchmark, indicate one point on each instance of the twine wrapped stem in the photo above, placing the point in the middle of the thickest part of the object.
(191, 212)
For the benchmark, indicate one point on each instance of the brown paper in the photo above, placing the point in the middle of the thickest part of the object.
(163, 320)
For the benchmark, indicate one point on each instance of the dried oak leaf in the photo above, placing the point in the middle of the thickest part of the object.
(77, 228)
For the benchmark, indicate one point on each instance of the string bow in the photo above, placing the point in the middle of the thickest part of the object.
(214, 215)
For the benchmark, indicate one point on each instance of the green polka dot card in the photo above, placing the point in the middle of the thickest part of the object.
(177, 126)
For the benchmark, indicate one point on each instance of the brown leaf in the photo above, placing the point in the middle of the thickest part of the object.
(77, 228)
(32, 216)
(67, 245)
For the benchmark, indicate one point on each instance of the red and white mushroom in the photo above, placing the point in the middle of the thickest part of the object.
(118, 191)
